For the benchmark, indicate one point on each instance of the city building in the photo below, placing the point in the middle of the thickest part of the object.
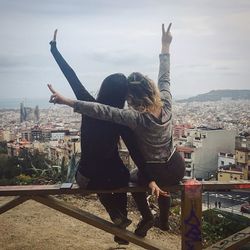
(242, 153)
(14, 148)
(26, 134)
(188, 155)
(58, 134)
(179, 130)
(229, 175)
(36, 134)
(225, 159)
(29, 114)
(6, 135)
(200, 147)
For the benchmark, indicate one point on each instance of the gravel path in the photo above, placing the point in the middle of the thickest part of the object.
(34, 226)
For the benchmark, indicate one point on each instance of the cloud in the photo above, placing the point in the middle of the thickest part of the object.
(98, 37)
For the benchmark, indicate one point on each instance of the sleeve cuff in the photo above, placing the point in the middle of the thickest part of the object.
(76, 106)
(164, 54)
(52, 43)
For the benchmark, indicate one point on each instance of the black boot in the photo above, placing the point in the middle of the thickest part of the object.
(147, 217)
(143, 227)
(163, 226)
(164, 206)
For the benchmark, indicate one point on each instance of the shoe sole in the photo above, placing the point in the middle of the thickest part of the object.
(143, 232)
(121, 242)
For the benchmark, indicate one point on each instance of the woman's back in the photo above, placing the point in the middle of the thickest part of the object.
(99, 151)
(154, 135)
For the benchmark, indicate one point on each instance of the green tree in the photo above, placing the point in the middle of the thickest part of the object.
(3, 147)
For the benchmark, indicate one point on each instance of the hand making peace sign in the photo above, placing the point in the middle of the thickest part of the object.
(166, 38)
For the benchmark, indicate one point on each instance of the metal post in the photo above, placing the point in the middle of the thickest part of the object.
(193, 172)
(208, 174)
(208, 200)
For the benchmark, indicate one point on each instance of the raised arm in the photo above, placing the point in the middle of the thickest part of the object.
(80, 92)
(164, 71)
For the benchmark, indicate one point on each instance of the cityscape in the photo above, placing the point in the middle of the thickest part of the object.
(213, 137)
(48, 202)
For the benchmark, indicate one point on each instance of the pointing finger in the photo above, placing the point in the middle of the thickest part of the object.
(51, 88)
(169, 26)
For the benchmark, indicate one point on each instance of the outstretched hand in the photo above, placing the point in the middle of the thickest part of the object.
(166, 38)
(57, 98)
(155, 190)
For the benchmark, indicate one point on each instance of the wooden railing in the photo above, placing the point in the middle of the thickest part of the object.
(191, 210)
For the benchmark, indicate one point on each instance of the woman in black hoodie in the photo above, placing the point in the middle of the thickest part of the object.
(100, 165)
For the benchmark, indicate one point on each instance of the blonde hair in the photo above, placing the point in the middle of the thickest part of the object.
(143, 94)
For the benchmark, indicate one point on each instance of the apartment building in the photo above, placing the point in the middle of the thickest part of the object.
(200, 147)
(242, 153)
(225, 159)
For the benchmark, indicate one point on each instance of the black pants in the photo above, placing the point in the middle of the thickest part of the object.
(115, 204)
(165, 174)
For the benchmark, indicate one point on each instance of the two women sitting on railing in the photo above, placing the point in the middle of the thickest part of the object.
(146, 129)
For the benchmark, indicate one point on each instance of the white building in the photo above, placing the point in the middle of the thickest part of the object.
(205, 144)
(225, 159)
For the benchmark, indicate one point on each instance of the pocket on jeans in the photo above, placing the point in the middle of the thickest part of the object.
(81, 180)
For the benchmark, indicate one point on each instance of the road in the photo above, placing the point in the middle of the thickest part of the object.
(230, 201)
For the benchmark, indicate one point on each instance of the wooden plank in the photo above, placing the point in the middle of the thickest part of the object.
(13, 203)
(56, 189)
(219, 185)
(95, 221)
(232, 242)
(191, 212)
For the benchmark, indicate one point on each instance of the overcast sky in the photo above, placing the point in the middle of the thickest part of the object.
(210, 48)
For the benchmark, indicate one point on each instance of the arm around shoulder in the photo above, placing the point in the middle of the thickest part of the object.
(126, 117)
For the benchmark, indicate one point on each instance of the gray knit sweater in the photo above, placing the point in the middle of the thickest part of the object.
(154, 135)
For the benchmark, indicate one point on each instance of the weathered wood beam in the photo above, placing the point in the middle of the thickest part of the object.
(95, 221)
(234, 241)
(219, 185)
(56, 189)
(13, 203)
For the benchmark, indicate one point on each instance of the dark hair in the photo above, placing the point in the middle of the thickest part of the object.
(113, 90)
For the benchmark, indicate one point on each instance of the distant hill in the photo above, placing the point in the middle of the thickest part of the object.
(217, 95)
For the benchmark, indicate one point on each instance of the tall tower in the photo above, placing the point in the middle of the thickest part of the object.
(22, 112)
(37, 114)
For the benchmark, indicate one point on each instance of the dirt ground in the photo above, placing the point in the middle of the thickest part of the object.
(32, 225)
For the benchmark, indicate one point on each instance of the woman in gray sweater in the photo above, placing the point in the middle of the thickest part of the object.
(150, 117)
